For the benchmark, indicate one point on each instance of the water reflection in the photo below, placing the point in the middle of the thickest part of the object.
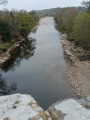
(25, 51)
(6, 89)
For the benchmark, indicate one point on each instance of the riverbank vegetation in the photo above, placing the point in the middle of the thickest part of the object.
(76, 23)
(15, 25)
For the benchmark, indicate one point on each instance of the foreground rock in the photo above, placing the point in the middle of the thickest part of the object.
(71, 109)
(24, 107)
(20, 107)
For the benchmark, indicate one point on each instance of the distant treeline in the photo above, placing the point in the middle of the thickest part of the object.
(52, 11)
(14, 24)
(76, 23)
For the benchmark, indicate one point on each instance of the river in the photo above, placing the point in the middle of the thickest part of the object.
(38, 67)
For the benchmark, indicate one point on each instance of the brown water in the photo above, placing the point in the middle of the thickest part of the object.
(38, 67)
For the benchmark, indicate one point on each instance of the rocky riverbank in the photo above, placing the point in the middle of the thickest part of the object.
(7, 56)
(24, 107)
(78, 72)
(4, 57)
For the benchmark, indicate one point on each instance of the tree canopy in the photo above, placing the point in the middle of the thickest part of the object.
(76, 23)
(26, 22)
(5, 30)
(86, 4)
(81, 30)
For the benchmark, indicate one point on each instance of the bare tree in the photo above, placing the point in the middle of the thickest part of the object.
(86, 4)
(3, 2)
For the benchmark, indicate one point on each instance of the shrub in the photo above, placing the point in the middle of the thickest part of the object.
(81, 30)
(5, 30)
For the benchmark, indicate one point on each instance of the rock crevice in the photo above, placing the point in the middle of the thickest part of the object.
(24, 107)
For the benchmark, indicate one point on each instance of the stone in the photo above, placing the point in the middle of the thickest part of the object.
(64, 36)
(49, 118)
(88, 99)
(70, 109)
(6, 55)
(20, 107)
(24, 107)
(47, 113)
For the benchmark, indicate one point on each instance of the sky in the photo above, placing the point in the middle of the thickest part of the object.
(40, 4)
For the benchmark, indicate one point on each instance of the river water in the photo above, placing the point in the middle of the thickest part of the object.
(38, 67)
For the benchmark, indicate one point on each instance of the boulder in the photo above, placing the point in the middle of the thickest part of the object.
(64, 36)
(24, 107)
(20, 107)
(71, 109)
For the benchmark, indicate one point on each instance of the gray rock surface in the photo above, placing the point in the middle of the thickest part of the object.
(24, 107)
(71, 109)
(20, 107)
(7, 56)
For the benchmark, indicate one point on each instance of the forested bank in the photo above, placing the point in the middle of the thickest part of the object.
(76, 24)
(15, 25)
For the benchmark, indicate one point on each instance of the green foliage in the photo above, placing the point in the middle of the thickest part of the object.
(26, 23)
(75, 24)
(68, 19)
(5, 45)
(17, 23)
(81, 30)
(34, 15)
(58, 21)
(5, 30)
(65, 18)
(86, 4)
(13, 25)
(10, 18)
(48, 12)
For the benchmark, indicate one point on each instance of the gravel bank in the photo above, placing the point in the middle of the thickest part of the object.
(78, 72)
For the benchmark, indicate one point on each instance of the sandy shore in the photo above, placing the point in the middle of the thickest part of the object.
(78, 72)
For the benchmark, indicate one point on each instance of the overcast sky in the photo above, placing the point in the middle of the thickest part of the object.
(40, 4)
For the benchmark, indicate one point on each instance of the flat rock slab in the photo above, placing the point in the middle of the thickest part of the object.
(71, 109)
(24, 107)
(20, 107)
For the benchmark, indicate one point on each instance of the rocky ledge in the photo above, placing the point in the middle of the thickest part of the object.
(6, 56)
(24, 107)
